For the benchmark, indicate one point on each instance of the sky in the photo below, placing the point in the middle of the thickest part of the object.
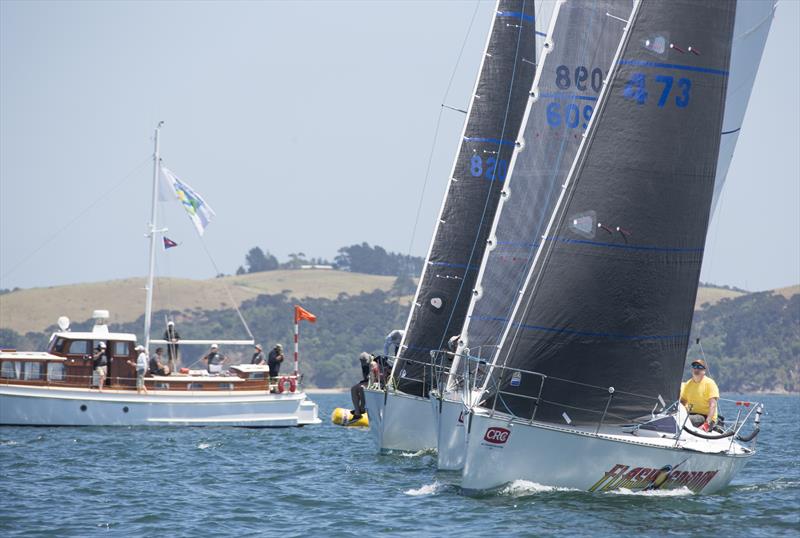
(307, 126)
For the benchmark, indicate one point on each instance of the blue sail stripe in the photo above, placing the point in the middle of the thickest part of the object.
(568, 96)
(489, 140)
(516, 15)
(562, 330)
(458, 265)
(679, 67)
(537, 32)
(731, 132)
(627, 247)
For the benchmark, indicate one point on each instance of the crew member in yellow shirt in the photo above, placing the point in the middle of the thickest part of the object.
(700, 395)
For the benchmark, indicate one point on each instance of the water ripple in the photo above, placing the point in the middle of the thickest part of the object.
(328, 481)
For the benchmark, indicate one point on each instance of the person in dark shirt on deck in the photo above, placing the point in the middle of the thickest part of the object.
(214, 360)
(171, 336)
(275, 360)
(100, 364)
(157, 363)
(370, 374)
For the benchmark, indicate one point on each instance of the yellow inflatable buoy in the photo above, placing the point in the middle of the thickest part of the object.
(344, 417)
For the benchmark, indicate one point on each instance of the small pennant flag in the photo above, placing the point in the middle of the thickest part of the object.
(302, 313)
(197, 208)
(169, 243)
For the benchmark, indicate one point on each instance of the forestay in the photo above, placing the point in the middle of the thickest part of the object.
(609, 299)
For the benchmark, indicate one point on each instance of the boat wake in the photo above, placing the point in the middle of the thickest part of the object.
(522, 488)
(678, 492)
(427, 489)
(418, 453)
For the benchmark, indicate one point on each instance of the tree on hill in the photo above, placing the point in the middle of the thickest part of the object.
(403, 285)
(376, 261)
(296, 260)
(257, 261)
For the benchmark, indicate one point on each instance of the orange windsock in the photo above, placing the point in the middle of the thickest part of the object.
(302, 313)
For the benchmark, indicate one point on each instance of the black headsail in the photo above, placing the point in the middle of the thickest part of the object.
(583, 41)
(471, 200)
(610, 296)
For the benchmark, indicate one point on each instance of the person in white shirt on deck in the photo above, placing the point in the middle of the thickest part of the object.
(141, 369)
(393, 339)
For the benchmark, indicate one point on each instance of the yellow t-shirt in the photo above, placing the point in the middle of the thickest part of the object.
(698, 394)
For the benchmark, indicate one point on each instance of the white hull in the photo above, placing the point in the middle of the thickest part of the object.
(450, 420)
(49, 406)
(561, 457)
(402, 423)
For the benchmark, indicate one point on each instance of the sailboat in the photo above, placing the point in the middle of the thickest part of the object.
(400, 417)
(57, 387)
(576, 394)
(541, 164)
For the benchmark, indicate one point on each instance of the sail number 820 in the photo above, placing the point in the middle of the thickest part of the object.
(491, 169)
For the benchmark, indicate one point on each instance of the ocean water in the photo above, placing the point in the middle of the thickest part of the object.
(327, 481)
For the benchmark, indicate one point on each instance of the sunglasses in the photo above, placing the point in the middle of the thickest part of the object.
(698, 367)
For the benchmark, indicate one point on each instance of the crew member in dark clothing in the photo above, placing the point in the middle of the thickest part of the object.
(100, 364)
(258, 356)
(157, 363)
(357, 390)
(172, 337)
(214, 360)
(274, 361)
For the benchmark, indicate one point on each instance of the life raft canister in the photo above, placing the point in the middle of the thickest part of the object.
(287, 383)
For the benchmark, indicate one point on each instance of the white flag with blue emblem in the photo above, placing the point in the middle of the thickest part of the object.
(197, 208)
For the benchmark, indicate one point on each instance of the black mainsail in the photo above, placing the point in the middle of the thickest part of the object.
(481, 166)
(610, 296)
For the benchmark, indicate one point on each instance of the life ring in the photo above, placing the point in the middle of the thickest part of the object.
(287, 383)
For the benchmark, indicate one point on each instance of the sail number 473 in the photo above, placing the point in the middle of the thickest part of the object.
(636, 89)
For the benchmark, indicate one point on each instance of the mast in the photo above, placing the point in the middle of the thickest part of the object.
(151, 229)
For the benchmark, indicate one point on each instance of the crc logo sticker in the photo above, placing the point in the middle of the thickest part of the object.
(496, 436)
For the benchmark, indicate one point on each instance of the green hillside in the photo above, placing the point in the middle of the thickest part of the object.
(37, 308)
(751, 341)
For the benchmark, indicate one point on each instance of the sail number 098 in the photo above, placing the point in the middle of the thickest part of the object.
(573, 115)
